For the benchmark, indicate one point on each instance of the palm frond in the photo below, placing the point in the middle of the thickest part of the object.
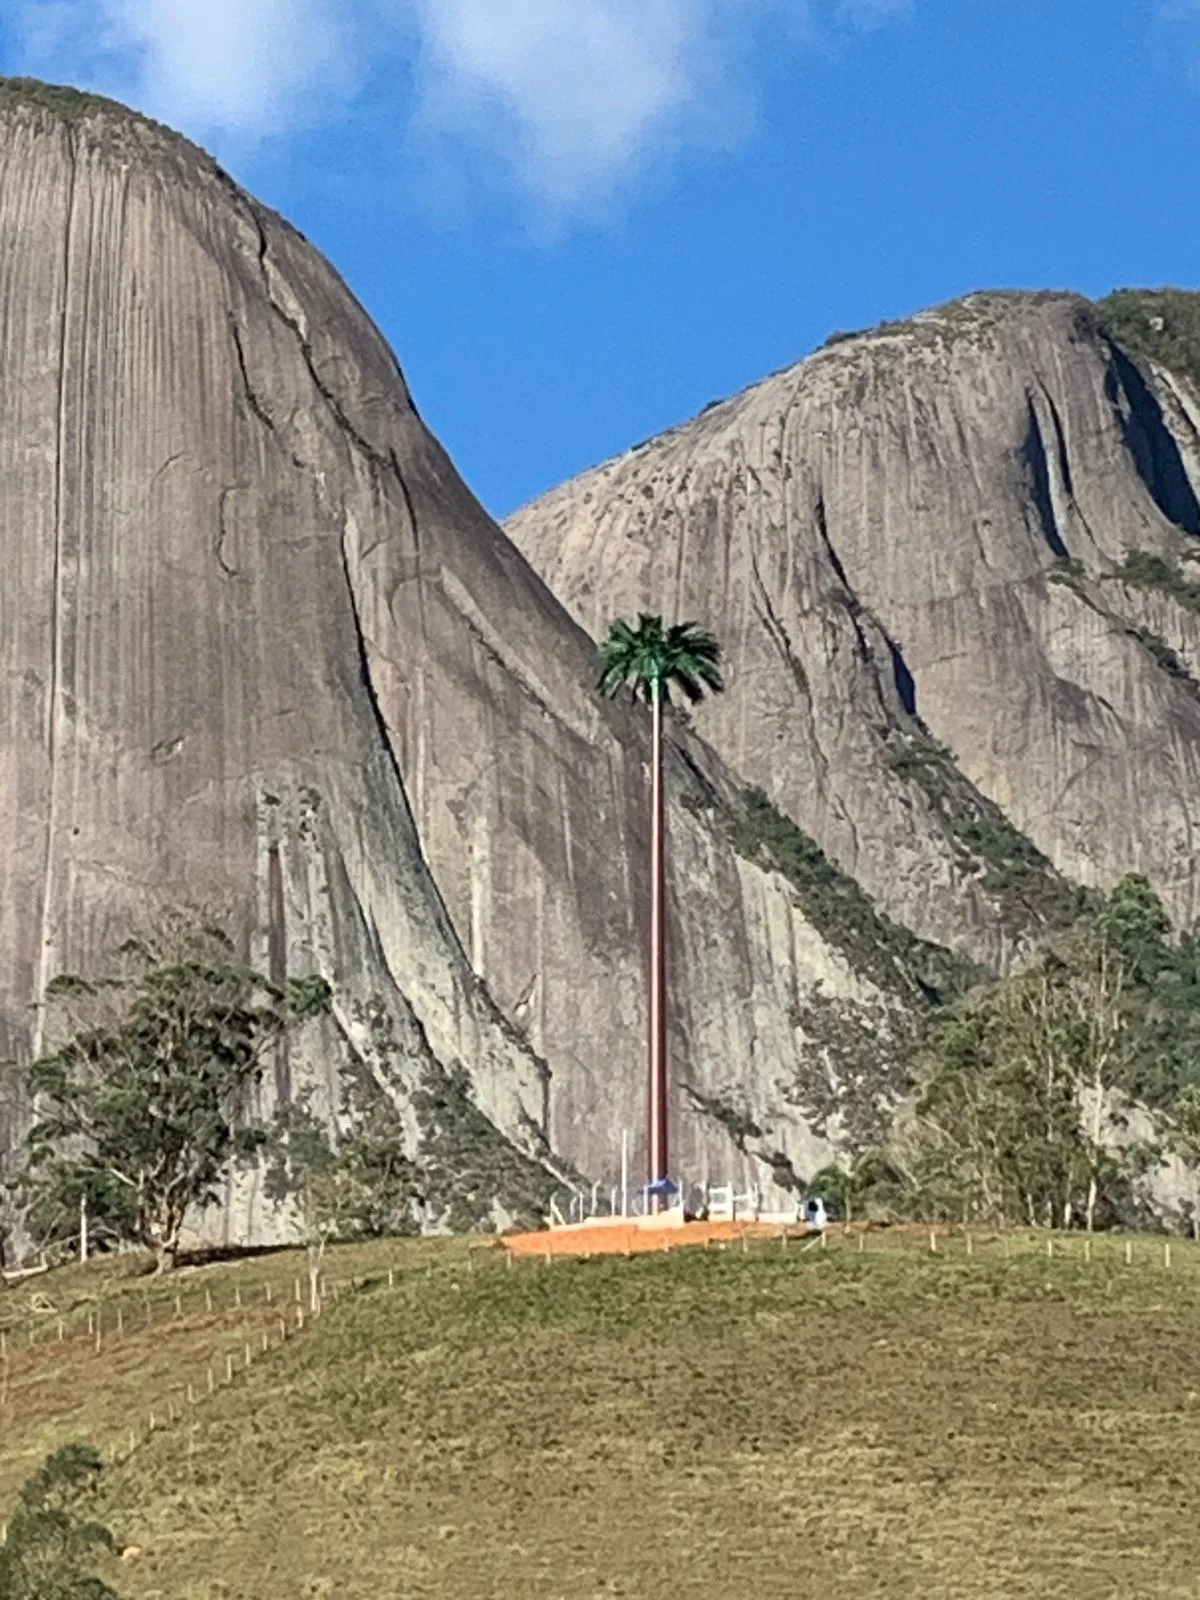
(649, 657)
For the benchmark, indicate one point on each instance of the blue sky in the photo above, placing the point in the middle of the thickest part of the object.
(580, 220)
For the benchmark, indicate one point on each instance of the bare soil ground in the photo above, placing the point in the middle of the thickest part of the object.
(709, 1422)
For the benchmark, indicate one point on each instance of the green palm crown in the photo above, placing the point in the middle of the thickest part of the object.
(652, 660)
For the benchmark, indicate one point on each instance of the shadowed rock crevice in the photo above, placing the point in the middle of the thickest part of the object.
(1039, 473)
(253, 399)
(1060, 440)
(1151, 443)
(906, 688)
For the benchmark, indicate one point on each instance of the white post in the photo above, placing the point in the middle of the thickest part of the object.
(83, 1228)
(624, 1172)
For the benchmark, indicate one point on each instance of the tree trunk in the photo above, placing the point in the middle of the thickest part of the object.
(1094, 1153)
(316, 1255)
(657, 1142)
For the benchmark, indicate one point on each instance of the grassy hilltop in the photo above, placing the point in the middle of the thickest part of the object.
(888, 1423)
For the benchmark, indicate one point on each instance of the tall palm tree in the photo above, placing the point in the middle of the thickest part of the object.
(651, 661)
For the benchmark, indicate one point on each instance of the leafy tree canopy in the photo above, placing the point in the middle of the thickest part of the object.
(51, 1545)
(141, 1107)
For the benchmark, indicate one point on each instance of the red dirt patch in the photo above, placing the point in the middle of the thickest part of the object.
(630, 1238)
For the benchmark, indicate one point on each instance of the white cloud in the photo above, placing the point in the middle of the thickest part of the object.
(574, 97)
(250, 68)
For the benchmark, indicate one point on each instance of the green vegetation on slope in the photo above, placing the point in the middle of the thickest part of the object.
(1158, 324)
(892, 1423)
(67, 103)
(889, 955)
(1032, 898)
(1163, 655)
(72, 105)
(1147, 571)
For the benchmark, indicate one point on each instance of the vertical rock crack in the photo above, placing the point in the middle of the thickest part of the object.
(54, 695)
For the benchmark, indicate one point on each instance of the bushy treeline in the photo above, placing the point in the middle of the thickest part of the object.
(1064, 1094)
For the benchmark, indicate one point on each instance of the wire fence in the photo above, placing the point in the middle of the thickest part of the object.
(244, 1324)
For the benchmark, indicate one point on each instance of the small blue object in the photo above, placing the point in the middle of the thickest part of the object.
(662, 1187)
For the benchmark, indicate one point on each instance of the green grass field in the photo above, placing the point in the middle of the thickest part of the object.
(826, 1423)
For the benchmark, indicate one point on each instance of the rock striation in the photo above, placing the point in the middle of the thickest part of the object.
(261, 646)
(948, 559)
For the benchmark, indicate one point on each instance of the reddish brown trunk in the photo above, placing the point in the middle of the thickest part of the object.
(657, 1144)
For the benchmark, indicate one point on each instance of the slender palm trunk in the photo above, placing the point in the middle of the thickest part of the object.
(657, 1142)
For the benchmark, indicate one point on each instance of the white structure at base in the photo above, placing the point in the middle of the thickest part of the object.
(714, 1201)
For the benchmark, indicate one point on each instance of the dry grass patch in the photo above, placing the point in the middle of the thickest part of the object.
(892, 1424)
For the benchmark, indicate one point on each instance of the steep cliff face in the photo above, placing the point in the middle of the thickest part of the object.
(261, 645)
(945, 560)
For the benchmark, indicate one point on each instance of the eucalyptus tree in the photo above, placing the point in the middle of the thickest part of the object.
(142, 1105)
(652, 661)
